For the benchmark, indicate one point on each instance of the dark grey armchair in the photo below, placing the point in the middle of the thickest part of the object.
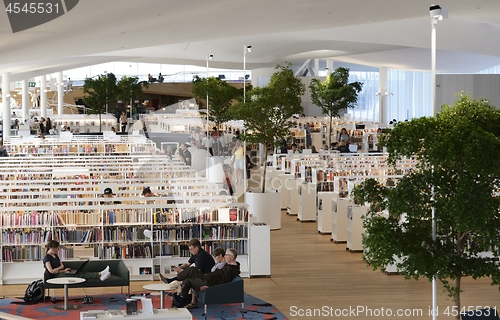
(231, 292)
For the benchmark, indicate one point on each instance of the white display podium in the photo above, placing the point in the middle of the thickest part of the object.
(325, 208)
(355, 227)
(339, 219)
(306, 209)
(260, 245)
(285, 188)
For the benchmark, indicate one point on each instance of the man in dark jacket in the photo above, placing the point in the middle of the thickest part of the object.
(200, 282)
(201, 259)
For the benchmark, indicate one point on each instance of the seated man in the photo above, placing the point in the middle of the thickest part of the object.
(200, 282)
(220, 262)
(201, 259)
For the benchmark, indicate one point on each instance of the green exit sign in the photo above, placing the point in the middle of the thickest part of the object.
(31, 84)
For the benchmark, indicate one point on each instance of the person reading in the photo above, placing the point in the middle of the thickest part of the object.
(196, 280)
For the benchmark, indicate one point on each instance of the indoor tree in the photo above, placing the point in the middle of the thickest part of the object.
(100, 91)
(335, 94)
(267, 109)
(129, 88)
(454, 179)
(221, 95)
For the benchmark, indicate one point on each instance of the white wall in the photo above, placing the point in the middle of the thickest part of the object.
(478, 86)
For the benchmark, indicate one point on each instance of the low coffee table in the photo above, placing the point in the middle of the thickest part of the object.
(65, 281)
(159, 287)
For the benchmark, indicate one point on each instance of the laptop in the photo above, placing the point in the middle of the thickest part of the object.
(80, 268)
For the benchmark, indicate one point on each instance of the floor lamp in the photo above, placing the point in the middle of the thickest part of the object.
(436, 14)
(209, 57)
(245, 50)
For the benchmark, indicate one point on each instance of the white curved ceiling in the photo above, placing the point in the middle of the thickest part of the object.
(390, 33)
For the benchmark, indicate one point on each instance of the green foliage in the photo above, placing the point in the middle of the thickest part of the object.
(335, 93)
(268, 108)
(220, 97)
(129, 88)
(100, 91)
(457, 175)
(103, 90)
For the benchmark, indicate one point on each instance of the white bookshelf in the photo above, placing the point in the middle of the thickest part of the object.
(325, 211)
(355, 228)
(339, 219)
(260, 249)
(60, 197)
(284, 188)
(306, 207)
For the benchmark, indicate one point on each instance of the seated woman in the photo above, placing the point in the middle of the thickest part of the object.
(56, 268)
(196, 280)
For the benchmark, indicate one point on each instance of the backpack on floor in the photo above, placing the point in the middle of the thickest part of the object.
(34, 292)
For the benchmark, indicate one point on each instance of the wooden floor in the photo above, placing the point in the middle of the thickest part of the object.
(309, 271)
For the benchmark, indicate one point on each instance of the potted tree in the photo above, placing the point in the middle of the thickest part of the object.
(99, 92)
(265, 114)
(221, 96)
(454, 191)
(129, 88)
(335, 94)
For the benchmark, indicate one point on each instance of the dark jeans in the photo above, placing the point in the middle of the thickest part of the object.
(193, 279)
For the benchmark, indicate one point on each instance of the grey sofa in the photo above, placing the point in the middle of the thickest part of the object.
(120, 276)
(231, 292)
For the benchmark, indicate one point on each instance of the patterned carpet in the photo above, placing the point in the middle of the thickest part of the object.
(254, 308)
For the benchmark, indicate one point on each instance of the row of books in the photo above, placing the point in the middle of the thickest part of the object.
(29, 219)
(125, 252)
(225, 232)
(240, 246)
(78, 235)
(26, 236)
(10, 254)
(44, 219)
(79, 218)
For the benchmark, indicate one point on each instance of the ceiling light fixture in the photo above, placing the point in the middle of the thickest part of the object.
(435, 11)
(438, 13)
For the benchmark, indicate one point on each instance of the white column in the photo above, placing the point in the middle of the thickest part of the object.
(26, 100)
(316, 68)
(6, 104)
(329, 65)
(433, 67)
(43, 96)
(383, 95)
(60, 93)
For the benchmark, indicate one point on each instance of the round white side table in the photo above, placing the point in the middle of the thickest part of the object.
(65, 281)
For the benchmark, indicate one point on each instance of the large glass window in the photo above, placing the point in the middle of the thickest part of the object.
(409, 95)
(367, 106)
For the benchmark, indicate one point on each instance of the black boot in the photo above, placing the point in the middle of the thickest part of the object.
(181, 302)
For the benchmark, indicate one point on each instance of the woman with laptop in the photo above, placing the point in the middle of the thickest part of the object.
(56, 268)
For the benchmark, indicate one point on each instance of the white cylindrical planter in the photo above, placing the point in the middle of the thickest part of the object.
(198, 159)
(215, 171)
(272, 178)
(265, 207)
